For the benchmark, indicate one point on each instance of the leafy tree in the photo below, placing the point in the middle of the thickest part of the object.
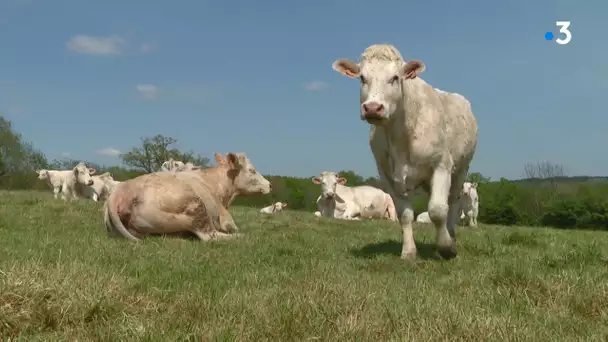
(156, 150)
(18, 155)
(352, 178)
(478, 178)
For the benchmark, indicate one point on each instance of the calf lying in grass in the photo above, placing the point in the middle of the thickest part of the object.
(194, 201)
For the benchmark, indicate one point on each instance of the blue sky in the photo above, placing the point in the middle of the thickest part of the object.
(88, 78)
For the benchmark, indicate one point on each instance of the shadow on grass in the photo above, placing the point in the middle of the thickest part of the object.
(426, 251)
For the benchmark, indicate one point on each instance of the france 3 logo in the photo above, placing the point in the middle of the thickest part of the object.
(564, 31)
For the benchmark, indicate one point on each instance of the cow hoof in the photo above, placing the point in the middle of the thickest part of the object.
(447, 252)
(409, 256)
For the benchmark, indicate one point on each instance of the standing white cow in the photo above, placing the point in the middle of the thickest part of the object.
(72, 183)
(469, 203)
(343, 202)
(420, 137)
(55, 179)
(271, 209)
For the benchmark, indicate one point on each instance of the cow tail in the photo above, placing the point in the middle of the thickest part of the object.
(112, 220)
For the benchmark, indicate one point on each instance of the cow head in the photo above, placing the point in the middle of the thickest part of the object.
(43, 174)
(328, 180)
(468, 189)
(83, 174)
(246, 179)
(382, 72)
(279, 206)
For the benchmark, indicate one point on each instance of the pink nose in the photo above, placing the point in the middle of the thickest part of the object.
(373, 109)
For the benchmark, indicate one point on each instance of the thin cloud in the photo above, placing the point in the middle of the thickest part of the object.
(148, 91)
(147, 47)
(15, 111)
(109, 151)
(315, 86)
(99, 46)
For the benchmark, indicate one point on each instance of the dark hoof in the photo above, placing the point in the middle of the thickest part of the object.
(448, 252)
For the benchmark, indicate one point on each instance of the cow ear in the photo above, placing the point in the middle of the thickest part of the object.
(413, 69)
(474, 185)
(92, 171)
(316, 180)
(233, 160)
(347, 67)
(219, 159)
(341, 181)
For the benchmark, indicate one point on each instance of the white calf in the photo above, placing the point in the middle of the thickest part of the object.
(55, 179)
(102, 187)
(271, 209)
(343, 202)
(469, 203)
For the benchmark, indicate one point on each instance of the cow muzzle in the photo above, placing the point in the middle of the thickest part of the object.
(90, 182)
(373, 112)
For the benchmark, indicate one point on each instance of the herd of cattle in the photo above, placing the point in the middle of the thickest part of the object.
(335, 201)
(420, 136)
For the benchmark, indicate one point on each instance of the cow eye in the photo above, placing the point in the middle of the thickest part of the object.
(393, 79)
(363, 79)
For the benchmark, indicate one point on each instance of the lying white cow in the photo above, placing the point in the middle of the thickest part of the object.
(172, 165)
(469, 203)
(271, 209)
(420, 137)
(343, 202)
(187, 167)
(178, 166)
(425, 218)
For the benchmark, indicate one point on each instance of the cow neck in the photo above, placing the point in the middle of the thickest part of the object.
(339, 189)
(223, 183)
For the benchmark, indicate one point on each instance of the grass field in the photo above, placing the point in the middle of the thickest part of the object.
(293, 277)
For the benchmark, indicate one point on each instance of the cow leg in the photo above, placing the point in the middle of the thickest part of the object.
(226, 221)
(439, 208)
(56, 191)
(405, 212)
(473, 217)
(95, 197)
(65, 193)
(455, 206)
(207, 236)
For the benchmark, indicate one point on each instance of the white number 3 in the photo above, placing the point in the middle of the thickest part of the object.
(563, 28)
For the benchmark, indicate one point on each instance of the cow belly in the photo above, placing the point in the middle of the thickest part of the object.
(407, 178)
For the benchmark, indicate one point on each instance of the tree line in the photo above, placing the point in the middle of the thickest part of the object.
(546, 197)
